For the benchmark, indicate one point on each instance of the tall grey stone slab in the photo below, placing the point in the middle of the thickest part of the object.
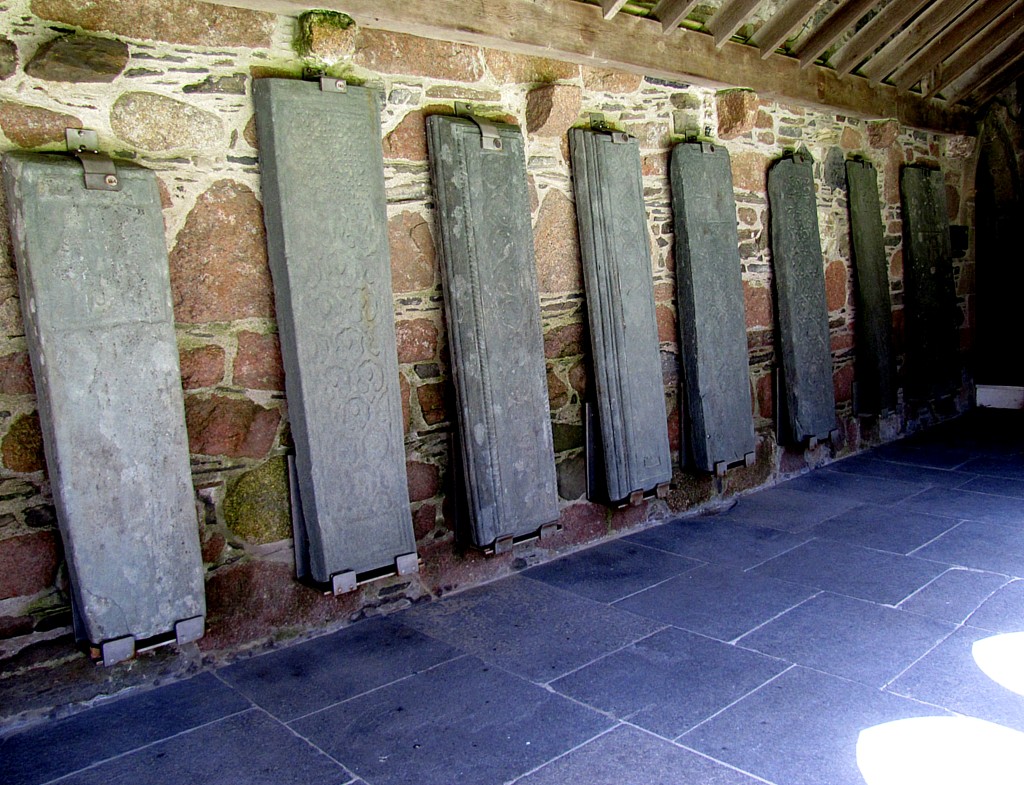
(930, 312)
(620, 303)
(96, 297)
(326, 216)
(712, 318)
(800, 292)
(875, 367)
(493, 313)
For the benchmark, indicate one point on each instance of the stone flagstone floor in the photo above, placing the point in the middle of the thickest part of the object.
(750, 646)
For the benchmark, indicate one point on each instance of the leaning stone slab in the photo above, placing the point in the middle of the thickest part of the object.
(929, 293)
(493, 313)
(800, 288)
(711, 309)
(95, 289)
(326, 217)
(876, 378)
(620, 304)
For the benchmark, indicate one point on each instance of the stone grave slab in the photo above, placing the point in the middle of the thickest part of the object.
(620, 303)
(875, 364)
(809, 397)
(95, 289)
(326, 218)
(493, 313)
(930, 311)
(712, 318)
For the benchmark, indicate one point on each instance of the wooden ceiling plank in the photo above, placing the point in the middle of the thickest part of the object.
(991, 68)
(729, 18)
(996, 46)
(920, 32)
(883, 25)
(831, 28)
(610, 8)
(671, 12)
(949, 40)
(783, 22)
(989, 90)
(575, 32)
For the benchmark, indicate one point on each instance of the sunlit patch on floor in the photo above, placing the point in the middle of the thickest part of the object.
(1001, 658)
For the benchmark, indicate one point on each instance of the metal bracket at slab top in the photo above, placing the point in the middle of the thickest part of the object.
(597, 123)
(489, 137)
(100, 172)
(328, 84)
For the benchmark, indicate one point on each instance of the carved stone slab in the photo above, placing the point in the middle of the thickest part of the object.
(712, 320)
(620, 303)
(800, 290)
(96, 296)
(876, 379)
(493, 312)
(929, 294)
(326, 217)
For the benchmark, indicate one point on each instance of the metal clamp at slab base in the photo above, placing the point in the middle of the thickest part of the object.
(507, 543)
(349, 580)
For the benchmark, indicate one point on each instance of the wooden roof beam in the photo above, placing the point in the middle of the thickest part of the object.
(729, 18)
(992, 68)
(610, 8)
(671, 12)
(978, 48)
(978, 60)
(783, 22)
(989, 90)
(831, 28)
(882, 26)
(920, 32)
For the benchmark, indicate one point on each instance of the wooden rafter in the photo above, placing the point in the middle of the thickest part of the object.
(902, 47)
(783, 22)
(988, 70)
(949, 41)
(985, 92)
(993, 48)
(830, 30)
(729, 18)
(671, 12)
(610, 8)
(883, 25)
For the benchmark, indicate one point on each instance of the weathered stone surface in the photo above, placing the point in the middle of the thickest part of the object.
(101, 334)
(509, 68)
(710, 298)
(28, 564)
(749, 171)
(202, 367)
(249, 133)
(883, 133)
(231, 85)
(408, 140)
(424, 480)
(961, 147)
(552, 109)
(620, 304)
(851, 139)
(177, 21)
(803, 313)
(33, 126)
(8, 57)
(219, 269)
(16, 374)
(151, 121)
(258, 364)
(564, 341)
(78, 58)
(431, 398)
(557, 245)
(566, 436)
(256, 505)
(336, 315)
(398, 53)
(608, 80)
(22, 447)
(835, 285)
(835, 169)
(325, 36)
(757, 301)
(413, 259)
(233, 427)
(417, 340)
(572, 478)
(737, 112)
(496, 343)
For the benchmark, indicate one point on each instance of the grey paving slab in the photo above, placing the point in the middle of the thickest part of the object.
(532, 629)
(967, 505)
(800, 729)
(883, 528)
(980, 546)
(857, 640)
(857, 487)
(800, 298)
(949, 677)
(876, 366)
(718, 540)
(249, 747)
(669, 682)
(954, 595)
(616, 252)
(611, 571)
(627, 756)
(310, 676)
(935, 456)
(871, 465)
(853, 571)
(493, 315)
(996, 486)
(717, 601)
(45, 752)
(1009, 466)
(463, 722)
(93, 273)
(709, 294)
(786, 509)
(1003, 611)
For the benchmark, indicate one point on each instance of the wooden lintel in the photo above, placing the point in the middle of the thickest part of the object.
(576, 32)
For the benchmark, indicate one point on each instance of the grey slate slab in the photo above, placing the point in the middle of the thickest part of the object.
(326, 216)
(785, 509)
(616, 255)
(42, 753)
(493, 316)
(968, 505)
(94, 278)
(800, 292)
(884, 528)
(712, 321)
(871, 465)
(880, 490)
(980, 546)
(996, 486)
(954, 595)
(930, 311)
(1003, 611)
(463, 722)
(926, 455)
(1011, 467)
(875, 365)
